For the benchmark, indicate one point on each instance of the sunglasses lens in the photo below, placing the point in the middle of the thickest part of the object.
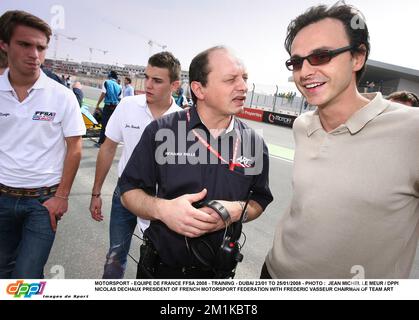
(294, 64)
(319, 58)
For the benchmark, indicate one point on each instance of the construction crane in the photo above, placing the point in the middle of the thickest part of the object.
(151, 43)
(94, 49)
(57, 37)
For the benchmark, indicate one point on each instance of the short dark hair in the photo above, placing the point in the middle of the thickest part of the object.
(11, 19)
(405, 96)
(128, 79)
(168, 61)
(199, 68)
(347, 14)
(113, 75)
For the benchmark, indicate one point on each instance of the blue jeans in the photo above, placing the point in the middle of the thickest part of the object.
(26, 237)
(122, 226)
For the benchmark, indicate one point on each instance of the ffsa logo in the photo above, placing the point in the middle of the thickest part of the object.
(20, 289)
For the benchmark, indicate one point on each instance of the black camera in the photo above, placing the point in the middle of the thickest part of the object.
(223, 261)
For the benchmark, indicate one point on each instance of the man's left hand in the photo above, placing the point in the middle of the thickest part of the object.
(57, 207)
(233, 208)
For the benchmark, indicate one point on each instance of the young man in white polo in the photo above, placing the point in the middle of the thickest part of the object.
(126, 125)
(40, 148)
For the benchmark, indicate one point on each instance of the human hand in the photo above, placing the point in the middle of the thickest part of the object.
(96, 208)
(180, 216)
(57, 207)
(233, 208)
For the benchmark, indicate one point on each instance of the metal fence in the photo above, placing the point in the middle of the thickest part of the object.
(271, 98)
(275, 99)
(282, 100)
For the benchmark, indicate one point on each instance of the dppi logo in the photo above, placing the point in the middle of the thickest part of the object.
(19, 289)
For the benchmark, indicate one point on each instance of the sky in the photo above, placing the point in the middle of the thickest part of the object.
(255, 30)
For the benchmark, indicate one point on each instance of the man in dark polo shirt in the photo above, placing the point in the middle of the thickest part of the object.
(196, 156)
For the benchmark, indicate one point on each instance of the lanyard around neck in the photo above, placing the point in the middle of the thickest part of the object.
(231, 164)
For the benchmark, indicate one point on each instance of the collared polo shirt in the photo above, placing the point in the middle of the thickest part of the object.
(189, 168)
(112, 91)
(128, 91)
(32, 145)
(127, 124)
(355, 205)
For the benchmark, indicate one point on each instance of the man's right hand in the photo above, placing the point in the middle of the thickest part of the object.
(180, 216)
(96, 208)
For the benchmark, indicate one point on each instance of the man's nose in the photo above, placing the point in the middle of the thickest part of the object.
(33, 52)
(242, 85)
(306, 69)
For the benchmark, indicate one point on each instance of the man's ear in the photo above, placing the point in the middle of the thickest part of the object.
(175, 85)
(3, 46)
(359, 58)
(197, 89)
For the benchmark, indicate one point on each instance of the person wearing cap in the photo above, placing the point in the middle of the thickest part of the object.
(41, 145)
(111, 95)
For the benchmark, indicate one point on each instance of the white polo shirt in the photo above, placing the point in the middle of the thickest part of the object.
(127, 125)
(32, 145)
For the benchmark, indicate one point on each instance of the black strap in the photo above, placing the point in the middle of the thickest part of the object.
(221, 210)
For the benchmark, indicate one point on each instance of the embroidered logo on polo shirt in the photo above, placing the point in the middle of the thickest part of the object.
(44, 116)
(132, 126)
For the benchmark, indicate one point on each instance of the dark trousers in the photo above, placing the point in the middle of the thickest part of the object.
(108, 109)
(163, 271)
(151, 267)
(264, 274)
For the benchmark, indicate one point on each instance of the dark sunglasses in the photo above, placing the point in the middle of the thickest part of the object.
(315, 59)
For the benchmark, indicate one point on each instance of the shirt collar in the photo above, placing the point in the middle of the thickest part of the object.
(359, 119)
(315, 123)
(196, 120)
(173, 107)
(363, 116)
(4, 82)
(6, 86)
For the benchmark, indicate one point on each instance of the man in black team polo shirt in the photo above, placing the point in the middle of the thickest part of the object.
(187, 159)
